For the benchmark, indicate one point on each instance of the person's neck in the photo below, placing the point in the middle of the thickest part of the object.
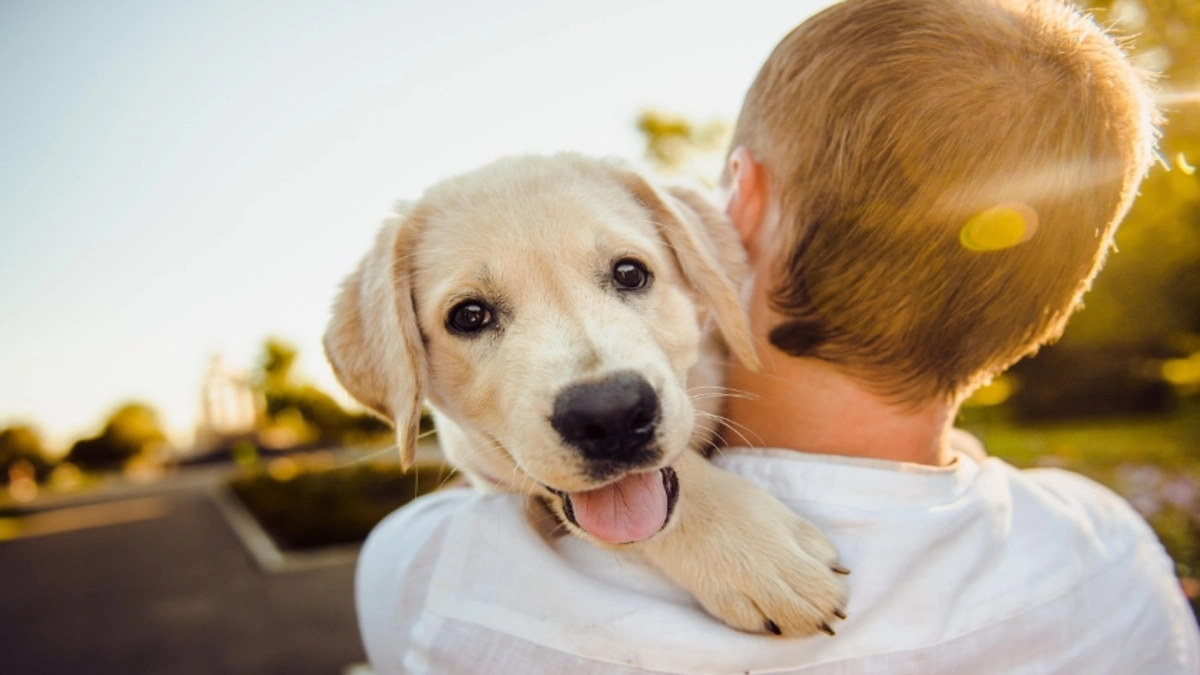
(807, 405)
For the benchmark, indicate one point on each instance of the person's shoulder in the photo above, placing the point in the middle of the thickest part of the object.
(1148, 612)
(1058, 512)
(416, 522)
(1088, 534)
(398, 561)
(1063, 530)
(401, 539)
(1096, 513)
(417, 530)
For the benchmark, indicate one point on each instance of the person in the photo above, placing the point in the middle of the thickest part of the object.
(925, 189)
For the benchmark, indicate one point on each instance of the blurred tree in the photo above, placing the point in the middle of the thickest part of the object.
(678, 146)
(132, 431)
(21, 443)
(276, 364)
(311, 413)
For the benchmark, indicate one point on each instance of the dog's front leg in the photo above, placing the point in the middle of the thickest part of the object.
(748, 560)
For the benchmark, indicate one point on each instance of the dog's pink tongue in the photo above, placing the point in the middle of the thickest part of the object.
(631, 509)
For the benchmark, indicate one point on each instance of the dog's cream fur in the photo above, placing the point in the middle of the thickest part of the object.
(538, 237)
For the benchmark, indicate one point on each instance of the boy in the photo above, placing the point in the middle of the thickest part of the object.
(925, 189)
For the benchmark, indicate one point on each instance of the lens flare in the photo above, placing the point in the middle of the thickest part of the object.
(1000, 227)
(1182, 163)
(1171, 98)
(1183, 372)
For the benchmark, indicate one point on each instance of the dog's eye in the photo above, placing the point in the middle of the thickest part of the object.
(470, 316)
(630, 275)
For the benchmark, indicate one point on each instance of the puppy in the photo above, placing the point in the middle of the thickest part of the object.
(566, 321)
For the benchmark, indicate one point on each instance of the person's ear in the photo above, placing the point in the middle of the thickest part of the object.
(748, 198)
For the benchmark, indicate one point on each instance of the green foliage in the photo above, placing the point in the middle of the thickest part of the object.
(324, 507)
(1090, 382)
(21, 443)
(674, 144)
(292, 403)
(275, 364)
(132, 431)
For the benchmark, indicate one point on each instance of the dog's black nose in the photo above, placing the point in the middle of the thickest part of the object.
(613, 419)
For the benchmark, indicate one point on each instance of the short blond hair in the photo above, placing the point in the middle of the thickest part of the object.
(894, 134)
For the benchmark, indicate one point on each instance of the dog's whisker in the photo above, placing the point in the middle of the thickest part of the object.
(742, 437)
(730, 423)
(734, 427)
(707, 396)
(374, 454)
(729, 391)
(741, 431)
(715, 447)
(445, 479)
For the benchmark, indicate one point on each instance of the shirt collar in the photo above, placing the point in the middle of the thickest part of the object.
(861, 483)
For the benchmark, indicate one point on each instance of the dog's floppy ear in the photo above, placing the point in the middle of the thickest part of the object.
(373, 342)
(708, 251)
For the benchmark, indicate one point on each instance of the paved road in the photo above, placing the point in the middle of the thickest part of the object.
(163, 586)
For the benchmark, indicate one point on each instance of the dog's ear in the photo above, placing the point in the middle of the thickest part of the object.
(708, 251)
(372, 340)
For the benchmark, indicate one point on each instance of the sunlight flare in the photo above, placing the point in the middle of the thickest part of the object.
(1000, 227)
(1169, 98)
(1182, 163)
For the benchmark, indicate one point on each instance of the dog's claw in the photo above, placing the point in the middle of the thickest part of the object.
(839, 569)
(824, 628)
(772, 627)
(839, 614)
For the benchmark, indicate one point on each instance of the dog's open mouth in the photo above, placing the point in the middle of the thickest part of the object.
(634, 508)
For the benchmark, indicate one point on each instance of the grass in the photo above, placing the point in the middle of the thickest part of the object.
(1172, 442)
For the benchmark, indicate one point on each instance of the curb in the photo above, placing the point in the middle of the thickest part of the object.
(267, 556)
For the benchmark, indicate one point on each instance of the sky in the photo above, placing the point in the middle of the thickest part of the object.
(181, 179)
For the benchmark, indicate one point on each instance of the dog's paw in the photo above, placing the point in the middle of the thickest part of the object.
(750, 561)
(785, 579)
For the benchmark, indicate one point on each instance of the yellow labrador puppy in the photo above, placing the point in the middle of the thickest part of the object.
(567, 321)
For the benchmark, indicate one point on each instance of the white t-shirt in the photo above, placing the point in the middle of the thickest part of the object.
(972, 568)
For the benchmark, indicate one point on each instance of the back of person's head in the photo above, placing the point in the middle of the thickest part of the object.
(948, 176)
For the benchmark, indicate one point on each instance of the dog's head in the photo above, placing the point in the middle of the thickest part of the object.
(553, 306)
